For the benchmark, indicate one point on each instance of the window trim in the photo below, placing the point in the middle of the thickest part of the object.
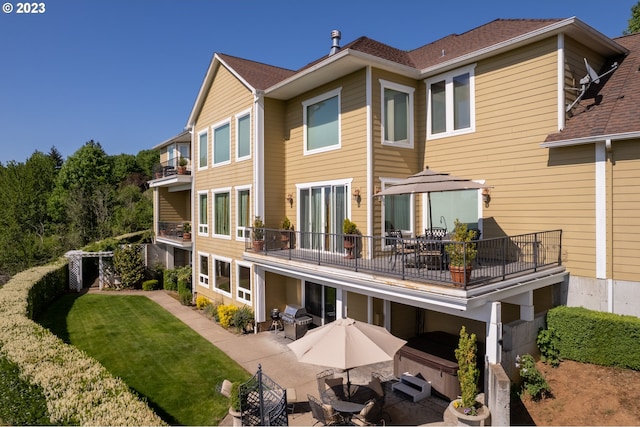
(200, 167)
(385, 84)
(245, 230)
(243, 264)
(225, 190)
(200, 225)
(215, 288)
(205, 276)
(315, 100)
(386, 182)
(214, 127)
(448, 78)
(238, 117)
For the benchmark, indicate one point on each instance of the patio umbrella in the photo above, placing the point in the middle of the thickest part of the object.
(346, 344)
(429, 181)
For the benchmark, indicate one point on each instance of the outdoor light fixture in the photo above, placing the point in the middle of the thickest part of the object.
(356, 196)
(289, 199)
(486, 197)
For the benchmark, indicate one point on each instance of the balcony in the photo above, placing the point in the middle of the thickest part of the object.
(419, 260)
(170, 173)
(176, 233)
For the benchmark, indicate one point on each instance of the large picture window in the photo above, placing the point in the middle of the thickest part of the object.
(222, 144)
(451, 103)
(397, 113)
(321, 116)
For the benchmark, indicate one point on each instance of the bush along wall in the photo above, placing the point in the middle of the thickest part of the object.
(78, 390)
(596, 337)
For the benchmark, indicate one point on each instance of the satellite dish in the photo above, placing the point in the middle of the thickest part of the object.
(585, 82)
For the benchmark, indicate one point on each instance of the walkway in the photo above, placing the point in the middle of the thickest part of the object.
(270, 350)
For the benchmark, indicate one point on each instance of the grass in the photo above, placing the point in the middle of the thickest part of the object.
(157, 355)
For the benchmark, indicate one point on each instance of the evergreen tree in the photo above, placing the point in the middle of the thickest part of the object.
(634, 21)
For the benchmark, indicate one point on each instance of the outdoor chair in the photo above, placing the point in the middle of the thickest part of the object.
(398, 247)
(370, 415)
(321, 377)
(323, 413)
(376, 384)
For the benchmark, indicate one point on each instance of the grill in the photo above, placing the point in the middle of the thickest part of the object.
(296, 321)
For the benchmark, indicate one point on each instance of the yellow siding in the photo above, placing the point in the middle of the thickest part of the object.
(276, 207)
(174, 206)
(625, 202)
(347, 162)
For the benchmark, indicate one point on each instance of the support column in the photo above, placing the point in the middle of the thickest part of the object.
(259, 290)
(341, 303)
(494, 334)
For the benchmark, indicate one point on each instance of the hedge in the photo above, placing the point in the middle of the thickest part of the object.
(596, 337)
(78, 390)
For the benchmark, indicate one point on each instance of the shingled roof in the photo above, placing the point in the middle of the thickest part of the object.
(258, 75)
(611, 107)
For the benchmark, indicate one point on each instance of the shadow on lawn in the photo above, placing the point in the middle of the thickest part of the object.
(55, 320)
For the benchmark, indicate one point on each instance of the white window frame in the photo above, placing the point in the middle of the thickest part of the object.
(448, 78)
(241, 292)
(238, 117)
(385, 84)
(225, 122)
(309, 102)
(242, 233)
(203, 132)
(203, 279)
(203, 229)
(386, 182)
(225, 190)
(215, 288)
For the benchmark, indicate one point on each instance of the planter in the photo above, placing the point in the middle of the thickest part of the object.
(459, 274)
(237, 417)
(182, 170)
(349, 244)
(186, 236)
(258, 245)
(482, 417)
(284, 238)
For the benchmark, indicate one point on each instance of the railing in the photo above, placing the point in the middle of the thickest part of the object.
(180, 231)
(171, 168)
(416, 259)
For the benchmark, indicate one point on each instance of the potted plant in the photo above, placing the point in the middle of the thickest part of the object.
(186, 231)
(182, 165)
(286, 232)
(258, 234)
(351, 232)
(461, 252)
(467, 409)
(235, 409)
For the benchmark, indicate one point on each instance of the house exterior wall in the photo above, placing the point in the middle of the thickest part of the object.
(174, 206)
(226, 98)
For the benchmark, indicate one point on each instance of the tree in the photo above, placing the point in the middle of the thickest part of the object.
(634, 22)
(129, 265)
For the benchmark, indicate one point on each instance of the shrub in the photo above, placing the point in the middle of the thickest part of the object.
(548, 345)
(468, 372)
(170, 280)
(129, 265)
(225, 315)
(21, 403)
(234, 397)
(202, 302)
(242, 317)
(534, 382)
(150, 285)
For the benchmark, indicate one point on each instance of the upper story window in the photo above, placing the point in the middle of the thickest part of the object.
(243, 205)
(222, 143)
(397, 113)
(203, 213)
(221, 213)
(243, 135)
(321, 117)
(203, 150)
(451, 101)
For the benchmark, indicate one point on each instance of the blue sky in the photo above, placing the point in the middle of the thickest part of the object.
(126, 72)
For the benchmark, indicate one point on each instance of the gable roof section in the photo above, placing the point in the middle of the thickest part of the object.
(612, 110)
(256, 76)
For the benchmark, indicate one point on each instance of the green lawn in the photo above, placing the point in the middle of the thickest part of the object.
(156, 354)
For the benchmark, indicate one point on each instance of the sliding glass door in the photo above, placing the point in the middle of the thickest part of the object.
(323, 209)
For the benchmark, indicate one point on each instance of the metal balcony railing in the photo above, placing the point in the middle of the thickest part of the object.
(172, 168)
(417, 259)
(174, 230)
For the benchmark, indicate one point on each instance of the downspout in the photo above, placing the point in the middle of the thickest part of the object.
(369, 139)
(258, 198)
(193, 210)
(560, 82)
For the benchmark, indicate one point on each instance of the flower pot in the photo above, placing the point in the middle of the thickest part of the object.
(186, 236)
(237, 417)
(258, 245)
(349, 244)
(459, 274)
(482, 417)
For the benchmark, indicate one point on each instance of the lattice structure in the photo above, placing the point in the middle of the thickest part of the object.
(105, 270)
(263, 402)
